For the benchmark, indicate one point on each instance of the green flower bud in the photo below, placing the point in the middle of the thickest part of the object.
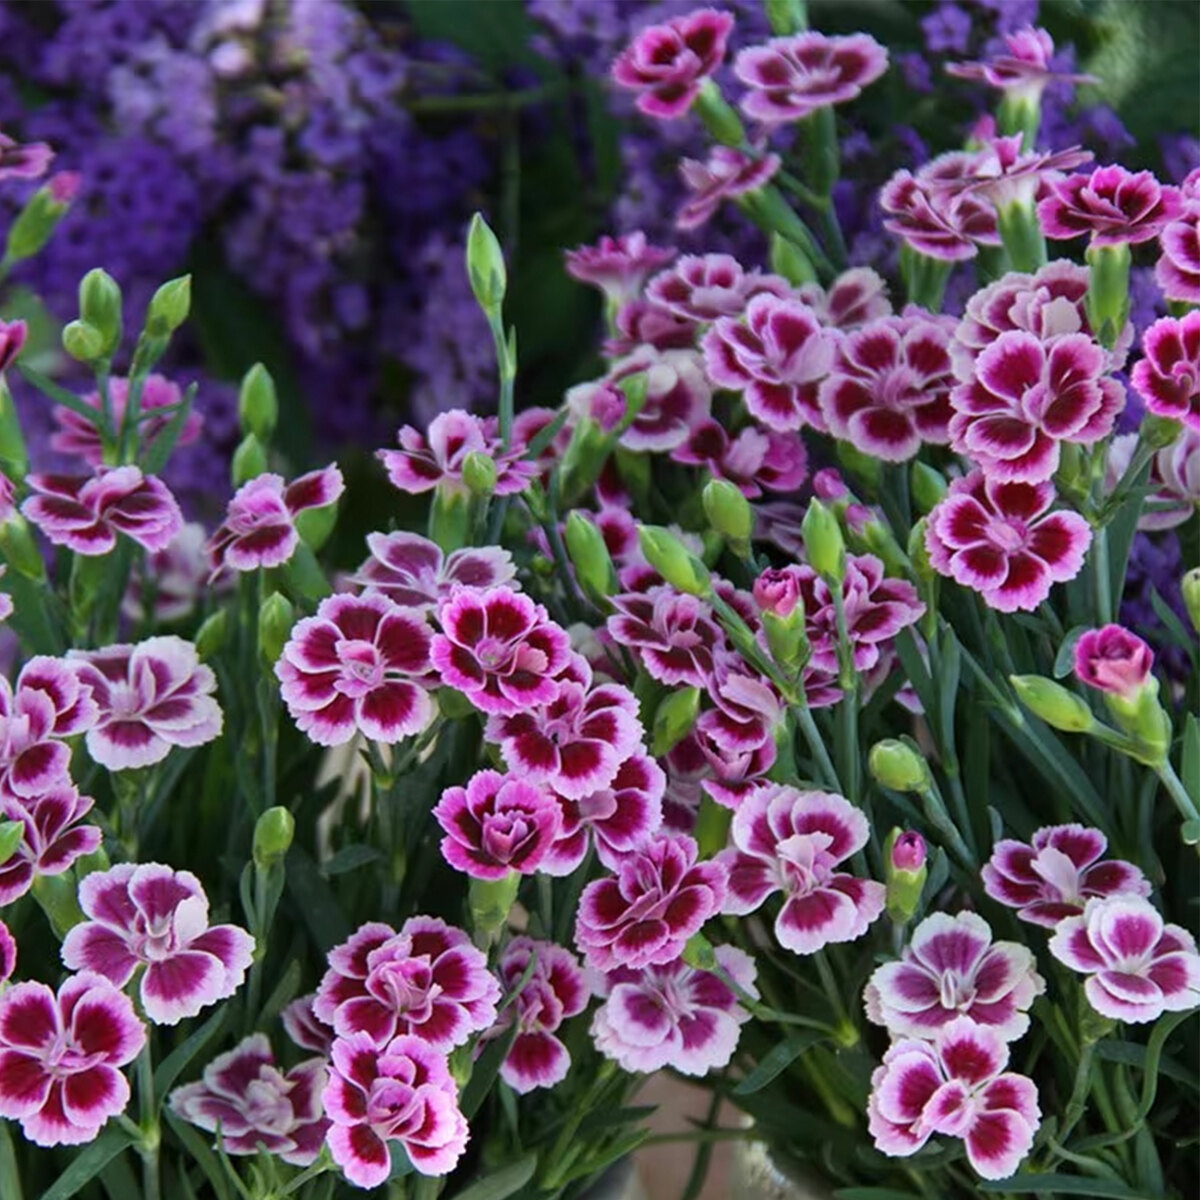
(485, 266)
(1191, 596)
(698, 953)
(823, 543)
(35, 223)
(786, 16)
(1144, 719)
(83, 342)
(258, 406)
(314, 525)
(862, 466)
(1058, 707)
(12, 834)
(788, 260)
(169, 306)
(490, 902)
(453, 705)
(918, 551)
(895, 764)
(787, 639)
(20, 550)
(673, 561)
(249, 460)
(210, 637)
(479, 474)
(674, 718)
(273, 834)
(275, 620)
(100, 306)
(14, 458)
(590, 557)
(712, 826)
(729, 512)
(904, 871)
(718, 118)
(1159, 432)
(449, 518)
(1107, 300)
(928, 486)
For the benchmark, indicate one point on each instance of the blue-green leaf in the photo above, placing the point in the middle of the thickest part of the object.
(777, 1060)
(499, 1185)
(170, 1067)
(89, 1163)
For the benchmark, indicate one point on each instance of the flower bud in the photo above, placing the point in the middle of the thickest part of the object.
(249, 460)
(904, 874)
(1113, 660)
(1107, 300)
(275, 620)
(1144, 719)
(729, 512)
(788, 260)
(14, 458)
(12, 339)
(698, 953)
(273, 833)
(453, 705)
(928, 487)
(907, 852)
(590, 557)
(1191, 596)
(314, 525)
(258, 406)
(169, 306)
(37, 220)
(895, 764)
(860, 464)
(787, 639)
(485, 265)
(210, 637)
(55, 895)
(83, 342)
(490, 902)
(12, 834)
(718, 118)
(786, 16)
(823, 542)
(1159, 432)
(20, 550)
(449, 518)
(479, 474)
(777, 591)
(100, 307)
(1058, 707)
(672, 560)
(674, 718)
(918, 552)
(828, 485)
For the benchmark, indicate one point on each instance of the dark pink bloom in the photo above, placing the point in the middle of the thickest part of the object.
(529, 425)
(405, 1094)
(260, 523)
(78, 435)
(908, 852)
(53, 838)
(359, 666)
(678, 396)
(28, 161)
(778, 590)
(426, 980)
(889, 389)
(1003, 175)
(725, 174)
(150, 697)
(674, 1015)
(413, 571)
(947, 223)
(643, 915)
(1057, 873)
(1168, 378)
(497, 824)
(643, 323)
(154, 917)
(59, 1057)
(12, 341)
(8, 954)
(86, 512)
(619, 816)
(701, 288)
(955, 1086)
(618, 266)
(305, 1028)
(1022, 72)
(499, 649)
(63, 186)
(1113, 206)
(1113, 660)
(1137, 966)
(754, 460)
(554, 991)
(1178, 270)
(666, 64)
(1001, 540)
(428, 460)
(854, 298)
(793, 841)
(790, 77)
(1028, 396)
(673, 635)
(777, 359)
(255, 1103)
(952, 968)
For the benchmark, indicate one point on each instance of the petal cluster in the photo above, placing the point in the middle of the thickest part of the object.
(1168, 377)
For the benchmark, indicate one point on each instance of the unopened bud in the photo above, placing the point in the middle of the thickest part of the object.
(698, 953)
(907, 851)
(210, 637)
(273, 833)
(314, 525)
(37, 220)
(1191, 596)
(1107, 300)
(674, 718)
(449, 518)
(918, 552)
(169, 306)
(904, 873)
(860, 464)
(55, 895)
(485, 265)
(83, 342)
(895, 764)
(275, 620)
(717, 116)
(787, 638)
(12, 834)
(788, 260)
(453, 705)
(100, 307)
(777, 591)
(590, 557)
(729, 512)
(249, 460)
(479, 474)
(672, 560)
(1053, 703)
(823, 543)
(1144, 719)
(490, 902)
(14, 458)
(258, 406)
(1159, 432)
(928, 487)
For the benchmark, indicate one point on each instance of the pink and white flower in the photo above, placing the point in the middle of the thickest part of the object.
(618, 266)
(1177, 271)
(8, 954)
(678, 396)
(1024, 71)
(673, 635)
(776, 358)
(791, 77)
(172, 580)
(753, 460)
(405, 1094)
(150, 696)
(855, 297)
(305, 1028)
(154, 917)
(13, 335)
(949, 225)
(1137, 966)
(1113, 660)
(53, 837)
(1174, 478)
(959, 1087)
(86, 512)
(951, 968)
(725, 174)
(792, 841)
(674, 1015)
(1001, 540)
(426, 980)
(1168, 377)
(23, 160)
(412, 571)
(701, 288)
(60, 1057)
(499, 649)
(1115, 207)
(260, 523)
(554, 991)
(645, 913)
(1057, 873)
(360, 665)
(642, 323)
(497, 824)
(254, 1103)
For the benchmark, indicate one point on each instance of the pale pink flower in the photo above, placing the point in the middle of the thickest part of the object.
(1113, 660)
(725, 174)
(1115, 207)
(946, 224)
(414, 572)
(172, 580)
(154, 917)
(618, 266)
(643, 323)
(854, 298)
(28, 160)
(1168, 377)
(1004, 176)
(53, 837)
(678, 396)
(701, 288)
(1023, 71)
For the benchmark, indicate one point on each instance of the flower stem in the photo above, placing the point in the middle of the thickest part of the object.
(151, 1136)
(1103, 577)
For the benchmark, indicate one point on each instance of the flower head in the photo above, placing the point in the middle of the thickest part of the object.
(255, 1103)
(53, 837)
(154, 917)
(952, 968)
(678, 396)
(754, 460)
(174, 578)
(618, 266)
(701, 288)
(1113, 660)
(1113, 206)
(30, 160)
(1057, 873)
(1023, 71)
(12, 342)
(1137, 966)
(1178, 269)
(941, 223)
(673, 635)
(413, 571)
(854, 298)
(725, 174)
(304, 1027)
(1168, 377)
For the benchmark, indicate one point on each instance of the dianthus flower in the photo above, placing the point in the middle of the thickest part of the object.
(956, 1086)
(1137, 966)
(666, 64)
(726, 173)
(791, 77)
(854, 298)
(1003, 175)
(678, 397)
(60, 1057)
(254, 1103)
(150, 696)
(618, 266)
(260, 524)
(1113, 206)
(499, 649)
(426, 980)
(497, 824)
(793, 841)
(889, 389)
(12, 341)
(644, 915)
(643, 323)
(674, 635)
(304, 1027)
(674, 1015)
(1055, 875)
(154, 917)
(1001, 540)
(23, 160)
(952, 968)
(1177, 271)
(753, 460)
(1113, 660)
(776, 358)
(552, 991)
(53, 837)
(701, 288)
(1023, 71)
(359, 666)
(945, 224)
(403, 1094)
(1174, 476)
(413, 571)
(1168, 377)
(86, 512)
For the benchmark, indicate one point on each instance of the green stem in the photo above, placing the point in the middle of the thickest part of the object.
(699, 1171)
(816, 746)
(1103, 577)
(1079, 1093)
(151, 1136)
(1178, 793)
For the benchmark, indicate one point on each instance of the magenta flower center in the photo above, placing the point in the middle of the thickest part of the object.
(362, 667)
(247, 517)
(62, 1057)
(406, 986)
(390, 1105)
(503, 835)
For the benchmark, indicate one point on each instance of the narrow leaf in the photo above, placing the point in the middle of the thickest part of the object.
(171, 1066)
(202, 1154)
(350, 858)
(487, 1067)
(777, 1060)
(1064, 660)
(1190, 764)
(502, 1183)
(163, 446)
(89, 1163)
(1066, 1185)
